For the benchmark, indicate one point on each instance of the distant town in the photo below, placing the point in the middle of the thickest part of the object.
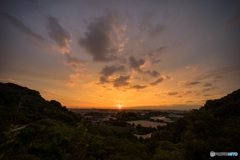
(131, 118)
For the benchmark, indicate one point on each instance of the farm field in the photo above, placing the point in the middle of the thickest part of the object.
(147, 123)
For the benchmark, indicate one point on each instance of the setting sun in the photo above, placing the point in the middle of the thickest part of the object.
(143, 61)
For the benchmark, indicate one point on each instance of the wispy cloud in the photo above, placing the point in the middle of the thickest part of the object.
(153, 55)
(137, 87)
(208, 75)
(188, 83)
(35, 5)
(156, 30)
(168, 77)
(10, 80)
(172, 93)
(159, 80)
(208, 89)
(73, 79)
(57, 33)
(207, 84)
(73, 60)
(22, 27)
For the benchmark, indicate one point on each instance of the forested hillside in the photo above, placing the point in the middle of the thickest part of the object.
(53, 132)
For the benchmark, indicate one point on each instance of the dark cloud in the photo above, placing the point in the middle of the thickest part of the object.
(168, 77)
(156, 30)
(207, 84)
(208, 89)
(103, 79)
(97, 40)
(172, 93)
(188, 83)
(138, 87)
(60, 35)
(137, 78)
(110, 70)
(233, 20)
(121, 81)
(153, 54)
(73, 60)
(22, 27)
(153, 73)
(159, 80)
(217, 73)
(187, 92)
(191, 83)
(136, 64)
(155, 61)
(211, 74)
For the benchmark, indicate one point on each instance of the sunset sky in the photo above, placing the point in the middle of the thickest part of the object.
(160, 54)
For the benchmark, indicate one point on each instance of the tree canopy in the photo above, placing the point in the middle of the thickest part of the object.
(53, 132)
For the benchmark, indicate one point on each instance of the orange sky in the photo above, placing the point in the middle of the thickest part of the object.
(146, 54)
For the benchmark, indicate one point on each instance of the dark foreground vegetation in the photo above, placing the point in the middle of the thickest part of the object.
(53, 132)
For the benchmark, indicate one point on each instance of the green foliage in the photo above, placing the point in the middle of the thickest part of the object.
(160, 120)
(169, 151)
(127, 116)
(95, 114)
(53, 132)
(139, 126)
(144, 130)
(20, 105)
(154, 114)
(7, 141)
(116, 122)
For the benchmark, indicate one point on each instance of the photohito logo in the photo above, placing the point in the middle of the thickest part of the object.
(212, 153)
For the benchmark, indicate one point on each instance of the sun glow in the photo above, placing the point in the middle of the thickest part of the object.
(119, 106)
